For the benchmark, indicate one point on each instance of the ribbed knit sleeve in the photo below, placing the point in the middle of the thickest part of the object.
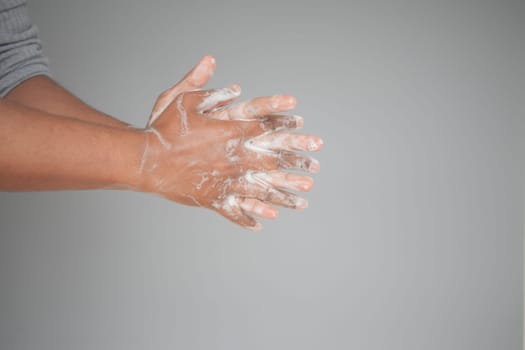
(21, 54)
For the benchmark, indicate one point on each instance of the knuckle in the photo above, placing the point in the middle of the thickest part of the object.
(274, 163)
(306, 162)
(269, 195)
(247, 129)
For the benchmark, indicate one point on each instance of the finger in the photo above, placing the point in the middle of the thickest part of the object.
(276, 141)
(253, 206)
(210, 100)
(196, 78)
(287, 181)
(281, 122)
(231, 209)
(267, 159)
(256, 108)
(199, 75)
(294, 161)
(253, 187)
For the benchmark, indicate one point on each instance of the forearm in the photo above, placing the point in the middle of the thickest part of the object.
(44, 94)
(41, 151)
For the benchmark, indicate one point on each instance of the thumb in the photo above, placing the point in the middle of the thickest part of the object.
(199, 75)
(195, 79)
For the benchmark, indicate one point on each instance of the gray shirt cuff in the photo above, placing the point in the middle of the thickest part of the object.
(21, 54)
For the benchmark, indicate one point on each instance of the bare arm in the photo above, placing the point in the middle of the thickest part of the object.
(42, 93)
(41, 151)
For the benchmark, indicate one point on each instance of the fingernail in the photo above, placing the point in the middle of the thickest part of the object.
(291, 101)
(299, 121)
(301, 203)
(283, 101)
(306, 186)
(236, 88)
(315, 145)
(273, 214)
(257, 228)
(315, 166)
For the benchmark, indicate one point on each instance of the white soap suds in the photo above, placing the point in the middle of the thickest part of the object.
(250, 206)
(312, 146)
(217, 96)
(226, 184)
(252, 109)
(145, 154)
(183, 115)
(229, 205)
(259, 178)
(262, 176)
(231, 147)
(155, 115)
(197, 203)
(255, 144)
(161, 139)
(204, 178)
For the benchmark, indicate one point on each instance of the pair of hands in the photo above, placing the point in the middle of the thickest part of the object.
(202, 150)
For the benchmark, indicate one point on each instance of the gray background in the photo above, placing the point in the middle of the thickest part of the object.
(414, 235)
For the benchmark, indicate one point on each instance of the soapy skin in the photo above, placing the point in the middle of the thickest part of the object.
(198, 148)
(244, 193)
(235, 166)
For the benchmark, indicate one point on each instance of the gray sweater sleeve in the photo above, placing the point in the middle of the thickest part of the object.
(20, 48)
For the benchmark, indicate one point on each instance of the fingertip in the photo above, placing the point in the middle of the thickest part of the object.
(299, 121)
(236, 88)
(210, 59)
(283, 102)
(292, 101)
(315, 145)
(315, 166)
(272, 213)
(307, 185)
(257, 227)
(301, 203)
(201, 72)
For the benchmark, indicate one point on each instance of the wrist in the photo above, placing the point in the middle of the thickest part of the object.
(129, 152)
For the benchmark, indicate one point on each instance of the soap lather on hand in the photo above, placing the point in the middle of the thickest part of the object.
(202, 149)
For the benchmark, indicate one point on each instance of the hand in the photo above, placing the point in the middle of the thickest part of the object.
(229, 158)
(197, 78)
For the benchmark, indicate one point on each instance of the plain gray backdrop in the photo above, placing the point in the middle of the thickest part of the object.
(414, 235)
